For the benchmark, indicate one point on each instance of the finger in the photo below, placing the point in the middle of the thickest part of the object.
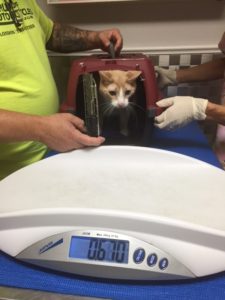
(78, 123)
(118, 43)
(160, 125)
(165, 102)
(81, 127)
(78, 146)
(118, 48)
(157, 73)
(159, 119)
(116, 38)
(104, 40)
(87, 140)
(106, 43)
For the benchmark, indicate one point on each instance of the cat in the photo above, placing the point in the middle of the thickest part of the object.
(116, 89)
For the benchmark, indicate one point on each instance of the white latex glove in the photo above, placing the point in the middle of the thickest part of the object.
(180, 111)
(165, 77)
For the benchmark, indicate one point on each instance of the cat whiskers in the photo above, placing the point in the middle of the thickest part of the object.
(106, 109)
(138, 106)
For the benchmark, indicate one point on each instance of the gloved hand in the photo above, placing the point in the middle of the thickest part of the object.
(165, 77)
(180, 111)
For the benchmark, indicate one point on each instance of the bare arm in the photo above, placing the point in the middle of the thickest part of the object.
(216, 113)
(17, 127)
(209, 71)
(68, 38)
(60, 132)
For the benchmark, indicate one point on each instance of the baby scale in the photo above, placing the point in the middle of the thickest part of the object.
(121, 212)
(83, 96)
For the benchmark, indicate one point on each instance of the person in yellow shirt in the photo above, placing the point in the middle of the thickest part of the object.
(29, 120)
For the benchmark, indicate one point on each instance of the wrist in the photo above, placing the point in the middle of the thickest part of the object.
(216, 113)
(172, 75)
(182, 75)
(38, 128)
(200, 106)
(179, 76)
(209, 108)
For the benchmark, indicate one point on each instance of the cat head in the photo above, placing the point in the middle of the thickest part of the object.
(118, 86)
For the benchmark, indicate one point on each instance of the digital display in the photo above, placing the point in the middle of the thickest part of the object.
(99, 249)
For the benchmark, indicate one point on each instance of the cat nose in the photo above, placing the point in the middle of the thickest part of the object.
(122, 104)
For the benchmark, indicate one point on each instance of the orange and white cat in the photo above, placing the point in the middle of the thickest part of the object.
(116, 88)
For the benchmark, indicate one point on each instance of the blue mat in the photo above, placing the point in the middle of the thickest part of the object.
(188, 140)
(17, 274)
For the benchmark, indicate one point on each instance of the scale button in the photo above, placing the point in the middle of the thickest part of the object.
(139, 255)
(163, 264)
(152, 259)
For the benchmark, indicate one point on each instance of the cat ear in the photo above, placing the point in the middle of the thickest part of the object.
(132, 75)
(105, 75)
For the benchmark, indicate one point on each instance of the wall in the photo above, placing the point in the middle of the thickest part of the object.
(151, 25)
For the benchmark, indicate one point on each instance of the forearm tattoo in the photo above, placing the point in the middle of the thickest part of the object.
(68, 38)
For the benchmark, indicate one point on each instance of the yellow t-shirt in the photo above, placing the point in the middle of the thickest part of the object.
(26, 81)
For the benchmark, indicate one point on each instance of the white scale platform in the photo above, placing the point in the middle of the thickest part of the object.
(119, 212)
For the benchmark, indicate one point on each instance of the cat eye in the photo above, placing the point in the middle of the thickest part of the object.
(112, 93)
(128, 92)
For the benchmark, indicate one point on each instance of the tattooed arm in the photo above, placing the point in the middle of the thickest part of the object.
(68, 38)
